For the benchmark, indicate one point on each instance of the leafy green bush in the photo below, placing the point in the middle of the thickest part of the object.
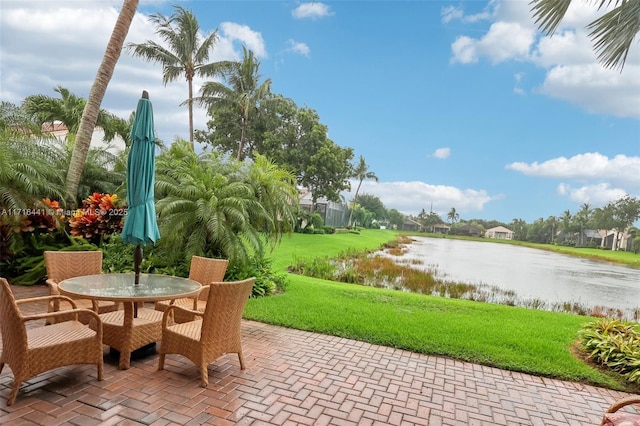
(614, 344)
(28, 267)
(117, 257)
(267, 281)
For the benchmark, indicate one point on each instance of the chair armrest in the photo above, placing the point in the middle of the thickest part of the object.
(634, 399)
(53, 286)
(204, 294)
(58, 297)
(168, 313)
(44, 315)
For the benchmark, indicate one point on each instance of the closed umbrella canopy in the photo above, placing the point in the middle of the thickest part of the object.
(140, 226)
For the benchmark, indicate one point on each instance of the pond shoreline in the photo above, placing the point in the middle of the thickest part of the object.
(514, 291)
(620, 257)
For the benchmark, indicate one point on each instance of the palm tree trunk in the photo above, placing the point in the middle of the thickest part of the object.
(98, 89)
(354, 198)
(243, 137)
(190, 84)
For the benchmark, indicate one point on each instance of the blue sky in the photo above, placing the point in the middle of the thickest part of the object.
(457, 104)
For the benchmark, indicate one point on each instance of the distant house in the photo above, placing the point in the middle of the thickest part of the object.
(624, 240)
(470, 230)
(333, 214)
(500, 233)
(606, 239)
(60, 132)
(412, 225)
(440, 228)
(592, 237)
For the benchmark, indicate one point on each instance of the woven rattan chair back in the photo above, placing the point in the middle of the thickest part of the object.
(218, 333)
(222, 316)
(206, 270)
(14, 334)
(68, 264)
(30, 351)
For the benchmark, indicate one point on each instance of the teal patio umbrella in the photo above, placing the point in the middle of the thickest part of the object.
(140, 225)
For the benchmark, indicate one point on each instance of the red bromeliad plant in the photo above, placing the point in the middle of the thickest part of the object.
(100, 216)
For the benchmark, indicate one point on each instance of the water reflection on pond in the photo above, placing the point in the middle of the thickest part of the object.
(530, 273)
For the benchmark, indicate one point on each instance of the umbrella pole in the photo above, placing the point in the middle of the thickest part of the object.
(137, 259)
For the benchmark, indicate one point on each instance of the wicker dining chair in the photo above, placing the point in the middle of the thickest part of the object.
(30, 351)
(205, 271)
(68, 264)
(203, 341)
(615, 416)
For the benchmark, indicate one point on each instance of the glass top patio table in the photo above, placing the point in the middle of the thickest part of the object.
(121, 287)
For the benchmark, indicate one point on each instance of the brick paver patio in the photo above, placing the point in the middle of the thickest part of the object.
(297, 377)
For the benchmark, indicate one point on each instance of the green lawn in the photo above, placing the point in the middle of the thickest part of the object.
(536, 342)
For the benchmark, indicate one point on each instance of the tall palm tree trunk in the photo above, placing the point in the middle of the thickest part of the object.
(98, 89)
(355, 197)
(243, 136)
(190, 84)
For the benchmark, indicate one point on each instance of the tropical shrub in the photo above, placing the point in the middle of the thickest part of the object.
(100, 216)
(267, 282)
(209, 206)
(614, 344)
(26, 176)
(28, 267)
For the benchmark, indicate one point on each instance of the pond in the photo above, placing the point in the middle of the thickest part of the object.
(534, 276)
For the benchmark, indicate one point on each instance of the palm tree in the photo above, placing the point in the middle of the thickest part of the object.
(361, 171)
(612, 33)
(221, 209)
(186, 54)
(582, 219)
(98, 89)
(14, 121)
(275, 189)
(27, 175)
(244, 93)
(453, 216)
(104, 172)
(68, 110)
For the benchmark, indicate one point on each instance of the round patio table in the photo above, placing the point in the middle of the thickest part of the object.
(134, 327)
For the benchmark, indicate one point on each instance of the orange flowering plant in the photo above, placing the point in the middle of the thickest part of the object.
(100, 216)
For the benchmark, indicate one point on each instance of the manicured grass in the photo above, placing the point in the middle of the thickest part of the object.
(298, 247)
(536, 342)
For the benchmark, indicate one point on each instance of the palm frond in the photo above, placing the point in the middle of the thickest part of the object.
(549, 13)
(613, 33)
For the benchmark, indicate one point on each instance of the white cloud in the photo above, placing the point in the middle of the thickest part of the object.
(465, 50)
(441, 153)
(519, 78)
(596, 174)
(596, 89)
(412, 197)
(298, 47)
(243, 33)
(588, 166)
(503, 41)
(595, 195)
(313, 10)
(456, 13)
(572, 72)
(567, 47)
(63, 43)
